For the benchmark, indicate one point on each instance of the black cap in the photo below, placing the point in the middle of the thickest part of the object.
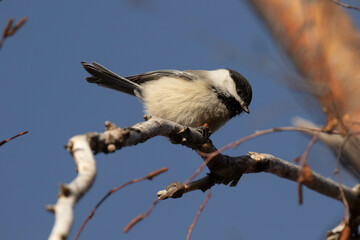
(243, 89)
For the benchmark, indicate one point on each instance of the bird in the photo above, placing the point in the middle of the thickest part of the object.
(191, 98)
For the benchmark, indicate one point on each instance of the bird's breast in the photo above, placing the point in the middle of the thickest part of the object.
(186, 102)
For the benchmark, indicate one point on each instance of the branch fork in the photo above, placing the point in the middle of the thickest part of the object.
(223, 169)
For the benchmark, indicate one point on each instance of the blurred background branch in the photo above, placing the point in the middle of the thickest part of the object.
(323, 43)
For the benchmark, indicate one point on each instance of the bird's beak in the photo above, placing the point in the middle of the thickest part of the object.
(246, 109)
(243, 106)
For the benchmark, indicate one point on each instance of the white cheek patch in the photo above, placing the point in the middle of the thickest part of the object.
(222, 80)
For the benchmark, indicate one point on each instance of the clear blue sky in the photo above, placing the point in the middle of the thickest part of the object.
(43, 90)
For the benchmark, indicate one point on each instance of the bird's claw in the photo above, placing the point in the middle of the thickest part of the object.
(204, 130)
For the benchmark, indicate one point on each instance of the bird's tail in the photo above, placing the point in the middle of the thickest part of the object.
(105, 78)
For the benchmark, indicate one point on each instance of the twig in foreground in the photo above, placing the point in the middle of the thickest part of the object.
(148, 177)
(198, 215)
(8, 140)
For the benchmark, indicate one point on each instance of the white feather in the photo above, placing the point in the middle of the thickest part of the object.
(222, 80)
(191, 103)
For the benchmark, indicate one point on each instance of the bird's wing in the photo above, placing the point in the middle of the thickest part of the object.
(150, 76)
(105, 78)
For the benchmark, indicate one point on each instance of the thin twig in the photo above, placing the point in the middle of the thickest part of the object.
(198, 215)
(344, 5)
(9, 30)
(140, 217)
(337, 172)
(8, 140)
(304, 170)
(147, 177)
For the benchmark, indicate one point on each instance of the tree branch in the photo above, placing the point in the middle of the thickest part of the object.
(10, 30)
(115, 138)
(350, 152)
(81, 147)
(8, 140)
(223, 169)
(344, 5)
(261, 162)
(70, 193)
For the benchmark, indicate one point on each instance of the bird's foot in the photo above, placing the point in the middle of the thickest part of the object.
(204, 129)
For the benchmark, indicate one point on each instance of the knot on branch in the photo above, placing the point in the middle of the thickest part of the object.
(174, 190)
(112, 139)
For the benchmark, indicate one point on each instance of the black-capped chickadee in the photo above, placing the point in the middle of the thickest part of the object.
(192, 98)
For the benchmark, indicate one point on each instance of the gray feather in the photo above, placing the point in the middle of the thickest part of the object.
(155, 75)
(131, 84)
(105, 78)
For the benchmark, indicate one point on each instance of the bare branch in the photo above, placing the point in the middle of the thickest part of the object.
(69, 194)
(137, 219)
(177, 189)
(260, 162)
(198, 215)
(149, 176)
(223, 169)
(208, 152)
(344, 5)
(116, 138)
(82, 148)
(343, 198)
(9, 30)
(304, 171)
(8, 140)
(350, 152)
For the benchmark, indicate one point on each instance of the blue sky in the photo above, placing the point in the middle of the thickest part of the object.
(42, 90)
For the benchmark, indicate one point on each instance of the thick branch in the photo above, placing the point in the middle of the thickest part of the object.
(267, 163)
(223, 169)
(260, 162)
(115, 138)
(69, 194)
